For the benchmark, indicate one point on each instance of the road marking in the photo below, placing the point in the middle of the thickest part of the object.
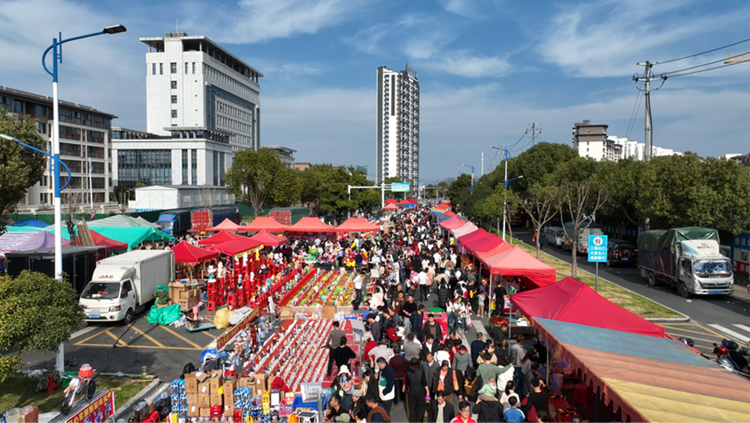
(729, 332)
(83, 331)
(181, 337)
(112, 335)
(677, 330)
(742, 327)
(145, 335)
(208, 334)
(144, 347)
(91, 337)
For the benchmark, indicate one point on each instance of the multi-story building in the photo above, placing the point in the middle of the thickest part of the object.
(84, 146)
(398, 126)
(636, 150)
(286, 154)
(192, 82)
(591, 141)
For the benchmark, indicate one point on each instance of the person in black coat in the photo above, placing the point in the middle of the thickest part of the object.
(448, 411)
(417, 320)
(488, 411)
(477, 347)
(443, 292)
(433, 327)
(415, 385)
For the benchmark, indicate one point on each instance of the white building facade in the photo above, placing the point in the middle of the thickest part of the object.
(193, 82)
(166, 197)
(635, 149)
(397, 146)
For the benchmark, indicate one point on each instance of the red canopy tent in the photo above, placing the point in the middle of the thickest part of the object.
(357, 224)
(411, 201)
(186, 252)
(574, 302)
(226, 225)
(311, 224)
(221, 237)
(516, 262)
(391, 201)
(268, 224)
(403, 202)
(452, 223)
(491, 243)
(269, 240)
(391, 206)
(482, 253)
(234, 247)
(450, 213)
(472, 236)
(464, 229)
(111, 244)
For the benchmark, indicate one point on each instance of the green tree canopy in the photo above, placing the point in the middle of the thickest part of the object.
(260, 178)
(37, 312)
(536, 163)
(20, 167)
(460, 189)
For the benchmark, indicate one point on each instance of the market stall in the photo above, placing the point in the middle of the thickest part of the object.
(220, 238)
(464, 229)
(357, 224)
(133, 236)
(516, 262)
(452, 223)
(268, 240)
(310, 225)
(111, 244)
(25, 241)
(267, 224)
(226, 225)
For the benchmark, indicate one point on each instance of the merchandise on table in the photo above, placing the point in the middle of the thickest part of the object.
(334, 288)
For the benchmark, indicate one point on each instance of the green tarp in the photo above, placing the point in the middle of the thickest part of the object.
(132, 235)
(649, 240)
(667, 239)
(165, 315)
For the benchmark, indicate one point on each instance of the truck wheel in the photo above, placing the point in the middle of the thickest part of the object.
(684, 290)
(652, 281)
(129, 316)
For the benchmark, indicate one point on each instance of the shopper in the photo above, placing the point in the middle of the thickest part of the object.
(377, 413)
(513, 414)
(412, 347)
(538, 398)
(335, 409)
(386, 384)
(400, 366)
(445, 380)
(488, 408)
(431, 327)
(477, 347)
(441, 411)
(464, 414)
(430, 367)
(415, 387)
(357, 404)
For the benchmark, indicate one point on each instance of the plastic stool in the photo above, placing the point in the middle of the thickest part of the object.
(211, 306)
(582, 394)
(231, 302)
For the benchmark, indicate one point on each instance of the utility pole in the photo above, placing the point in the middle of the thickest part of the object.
(533, 131)
(647, 92)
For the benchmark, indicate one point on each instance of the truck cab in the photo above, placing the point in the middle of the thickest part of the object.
(110, 295)
(703, 270)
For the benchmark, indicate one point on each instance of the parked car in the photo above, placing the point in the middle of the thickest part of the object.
(621, 252)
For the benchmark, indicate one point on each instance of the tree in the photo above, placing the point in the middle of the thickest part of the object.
(535, 164)
(627, 180)
(37, 312)
(260, 178)
(541, 203)
(582, 194)
(20, 167)
(460, 189)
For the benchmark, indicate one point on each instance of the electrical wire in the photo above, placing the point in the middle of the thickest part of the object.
(705, 70)
(636, 106)
(706, 64)
(524, 146)
(516, 143)
(703, 52)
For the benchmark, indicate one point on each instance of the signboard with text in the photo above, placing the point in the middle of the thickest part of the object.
(400, 187)
(98, 410)
(597, 248)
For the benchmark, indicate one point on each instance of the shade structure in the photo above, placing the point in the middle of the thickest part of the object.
(311, 225)
(111, 244)
(452, 223)
(647, 378)
(131, 235)
(411, 201)
(31, 223)
(572, 301)
(226, 225)
(26, 241)
(463, 230)
(516, 262)
(267, 239)
(234, 247)
(472, 236)
(450, 213)
(391, 201)
(357, 224)
(121, 220)
(186, 252)
(390, 206)
(491, 248)
(437, 211)
(267, 224)
(221, 237)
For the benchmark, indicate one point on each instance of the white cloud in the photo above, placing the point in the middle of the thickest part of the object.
(463, 63)
(607, 39)
(466, 8)
(371, 40)
(253, 21)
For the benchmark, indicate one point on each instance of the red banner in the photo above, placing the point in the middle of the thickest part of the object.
(98, 410)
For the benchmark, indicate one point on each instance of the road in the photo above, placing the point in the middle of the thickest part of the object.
(712, 318)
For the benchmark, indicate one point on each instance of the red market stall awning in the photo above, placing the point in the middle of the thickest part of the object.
(491, 244)
(390, 206)
(516, 262)
(411, 201)
(464, 229)
(186, 252)
(221, 237)
(572, 301)
(111, 244)
(267, 224)
(391, 201)
(226, 225)
(450, 213)
(403, 202)
(234, 247)
(484, 251)
(311, 225)
(472, 236)
(452, 223)
(357, 224)
(268, 240)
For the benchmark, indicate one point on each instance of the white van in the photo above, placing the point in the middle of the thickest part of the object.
(555, 236)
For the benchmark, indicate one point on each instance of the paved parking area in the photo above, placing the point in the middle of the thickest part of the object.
(705, 335)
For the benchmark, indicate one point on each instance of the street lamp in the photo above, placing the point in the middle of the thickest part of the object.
(472, 176)
(57, 57)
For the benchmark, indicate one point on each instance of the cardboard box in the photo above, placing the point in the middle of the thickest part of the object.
(192, 399)
(230, 385)
(194, 293)
(201, 376)
(204, 388)
(184, 295)
(191, 383)
(261, 381)
(229, 411)
(217, 399)
(205, 412)
(204, 400)
(193, 410)
(216, 381)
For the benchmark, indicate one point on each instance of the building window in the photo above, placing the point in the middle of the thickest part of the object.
(216, 168)
(153, 69)
(18, 106)
(173, 67)
(150, 167)
(41, 111)
(161, 68)
(193, 68)
(221, 168)
(185, 167)
(174, 114)
(174, 85)
(194, 166)
(95, 137)
(174, 101)
(41, 128)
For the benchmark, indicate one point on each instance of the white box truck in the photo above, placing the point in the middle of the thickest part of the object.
(123, 285)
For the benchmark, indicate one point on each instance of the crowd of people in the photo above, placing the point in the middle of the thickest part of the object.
(410, 360)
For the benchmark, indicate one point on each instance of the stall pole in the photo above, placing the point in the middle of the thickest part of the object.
(549, 351)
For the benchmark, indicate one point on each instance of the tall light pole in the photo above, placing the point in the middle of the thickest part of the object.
(472, 176)
(57, 57)
(506, 156)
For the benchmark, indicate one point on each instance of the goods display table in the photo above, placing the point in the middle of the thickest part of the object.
(327, 289)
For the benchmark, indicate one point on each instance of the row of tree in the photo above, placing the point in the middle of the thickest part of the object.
(554, 182)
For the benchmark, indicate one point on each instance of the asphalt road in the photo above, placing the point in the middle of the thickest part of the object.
(710, 316)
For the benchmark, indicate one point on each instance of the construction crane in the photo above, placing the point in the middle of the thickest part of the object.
(737, 58)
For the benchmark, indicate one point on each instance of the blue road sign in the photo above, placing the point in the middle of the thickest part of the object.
(597, 248)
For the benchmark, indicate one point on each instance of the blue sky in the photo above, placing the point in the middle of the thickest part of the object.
(487, 69)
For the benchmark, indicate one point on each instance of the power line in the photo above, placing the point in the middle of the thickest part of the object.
(705, 70)
(636, 105)
(705, 64)
(703, 52)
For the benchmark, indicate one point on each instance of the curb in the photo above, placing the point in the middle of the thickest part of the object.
(740, 299)
(127, 408)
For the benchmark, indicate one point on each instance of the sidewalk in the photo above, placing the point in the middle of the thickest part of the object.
(740, 294)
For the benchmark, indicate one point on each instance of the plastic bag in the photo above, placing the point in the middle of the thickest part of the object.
(221, 320)
(165, 315)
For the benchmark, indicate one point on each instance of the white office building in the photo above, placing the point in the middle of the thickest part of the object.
(192, 82)
(398, 126)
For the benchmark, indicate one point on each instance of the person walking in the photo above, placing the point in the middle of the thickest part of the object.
(377, 412)
(415, 388)
(445, 380)
(334, 342)
(386, 384)
(488, 408)
(464, 414)
(400, 366)
(441, 411)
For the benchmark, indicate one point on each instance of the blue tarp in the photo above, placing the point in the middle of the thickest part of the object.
(32, 223)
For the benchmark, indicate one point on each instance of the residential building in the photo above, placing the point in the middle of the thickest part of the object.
(84, 146)
(286, 154)
(398, 126)
(192, 82)
(591, 141)
(167, 197)
(636, 149)
(302, 166)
